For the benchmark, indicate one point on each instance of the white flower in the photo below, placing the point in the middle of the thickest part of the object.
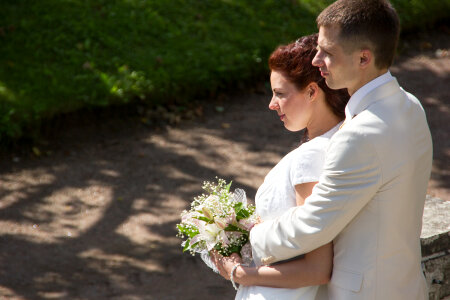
(212, 230)
(222, 223)
(208, 213)
(209, 233)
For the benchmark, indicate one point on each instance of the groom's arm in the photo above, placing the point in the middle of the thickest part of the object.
(351, 177)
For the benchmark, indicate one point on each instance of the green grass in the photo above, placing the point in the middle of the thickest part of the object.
(59, 56)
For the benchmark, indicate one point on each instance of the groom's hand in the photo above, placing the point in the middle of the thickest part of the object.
(225, 264)
(261, 257)
(258, 221)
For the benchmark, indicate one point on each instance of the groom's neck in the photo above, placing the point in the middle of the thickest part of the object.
(366, 76)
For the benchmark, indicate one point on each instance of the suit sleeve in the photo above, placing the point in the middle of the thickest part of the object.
(351, 178)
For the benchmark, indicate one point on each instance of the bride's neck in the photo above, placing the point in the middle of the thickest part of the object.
(322, 121)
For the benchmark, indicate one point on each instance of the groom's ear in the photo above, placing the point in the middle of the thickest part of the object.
(365, 58)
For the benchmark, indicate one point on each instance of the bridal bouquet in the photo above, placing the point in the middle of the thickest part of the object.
(219, 220)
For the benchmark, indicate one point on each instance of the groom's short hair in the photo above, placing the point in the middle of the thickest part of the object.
(365, 24)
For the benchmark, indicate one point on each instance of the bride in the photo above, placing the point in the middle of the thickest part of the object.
(302, 101)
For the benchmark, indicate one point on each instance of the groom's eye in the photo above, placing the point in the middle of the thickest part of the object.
(326, 52)
(323, 51)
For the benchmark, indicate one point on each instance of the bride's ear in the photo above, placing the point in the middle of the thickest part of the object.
(312, 91)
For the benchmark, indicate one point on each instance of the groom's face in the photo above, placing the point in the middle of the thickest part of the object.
(337, 66)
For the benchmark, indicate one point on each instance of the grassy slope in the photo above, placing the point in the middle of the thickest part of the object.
(61, 55)
(58, 56)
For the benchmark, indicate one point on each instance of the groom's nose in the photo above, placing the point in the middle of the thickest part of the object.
(317, 60)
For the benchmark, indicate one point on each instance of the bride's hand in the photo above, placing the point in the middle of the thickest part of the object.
(225, 264)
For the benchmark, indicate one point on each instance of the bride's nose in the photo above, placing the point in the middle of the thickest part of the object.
(273, 105)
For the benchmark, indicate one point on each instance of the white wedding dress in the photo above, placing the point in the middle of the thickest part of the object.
(277, 194)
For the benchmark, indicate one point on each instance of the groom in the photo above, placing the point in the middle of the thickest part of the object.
(370, 197)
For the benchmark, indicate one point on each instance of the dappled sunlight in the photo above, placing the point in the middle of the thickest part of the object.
(175, 173)
(100, 212)
(6, 94)
(136, 229)
(105, 216)
(210, 148)
(32, 177)
(8, 293)
(76, 210)
(48, 278)
(106, 263)
(111, 173)
(439, 67)
(53, 295)
(27, 231)
(442, 106)
(126, 84)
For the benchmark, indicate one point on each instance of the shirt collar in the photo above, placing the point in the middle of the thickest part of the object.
(356, 98)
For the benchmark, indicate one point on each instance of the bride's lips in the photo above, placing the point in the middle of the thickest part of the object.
(324, 74)
(282, 117)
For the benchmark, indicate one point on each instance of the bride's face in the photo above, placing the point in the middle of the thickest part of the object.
(292, 105)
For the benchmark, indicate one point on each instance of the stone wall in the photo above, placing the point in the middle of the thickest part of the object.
(435, 241)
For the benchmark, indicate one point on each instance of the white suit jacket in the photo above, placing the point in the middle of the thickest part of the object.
(369, 201)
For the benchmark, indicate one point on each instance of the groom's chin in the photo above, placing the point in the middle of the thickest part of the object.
(332, 85)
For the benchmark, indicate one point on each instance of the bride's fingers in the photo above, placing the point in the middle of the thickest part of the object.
(216, 257)
(235, 258)
(213, 256)
(218, 261)
(225, 264)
